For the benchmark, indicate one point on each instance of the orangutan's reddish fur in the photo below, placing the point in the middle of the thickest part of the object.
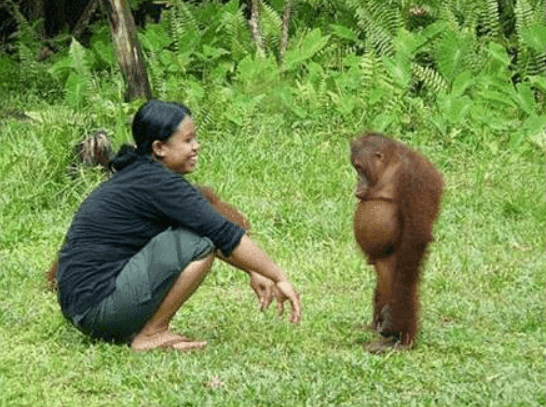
(399, 194)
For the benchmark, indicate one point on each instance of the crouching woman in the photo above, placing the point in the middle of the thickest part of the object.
(144, 240)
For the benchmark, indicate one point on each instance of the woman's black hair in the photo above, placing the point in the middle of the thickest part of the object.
(155, 120)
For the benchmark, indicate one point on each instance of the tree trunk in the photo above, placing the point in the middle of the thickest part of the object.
(128, 48)
(38, 13)
(84, 18)
(284, 30)
(253, 22)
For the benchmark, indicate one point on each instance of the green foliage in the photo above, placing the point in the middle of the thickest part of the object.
(452, 67)
(29, 75)
(531, 34)
(78, 69)
(379, 22)
(307, 46)
(462, 83)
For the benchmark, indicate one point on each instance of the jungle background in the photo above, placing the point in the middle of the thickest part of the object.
(279, 89)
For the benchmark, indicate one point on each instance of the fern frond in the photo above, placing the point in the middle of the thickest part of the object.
(235, 28)
(529, 61)
(490, 19)
(270, 26)
(461, 14)
(380, 21)
(447, 14)
(377, 36)
(183, 26)
(387, 14)
(368, 67)
(524, 16)
(429, 77)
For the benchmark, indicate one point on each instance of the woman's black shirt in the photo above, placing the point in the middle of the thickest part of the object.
(119, 218)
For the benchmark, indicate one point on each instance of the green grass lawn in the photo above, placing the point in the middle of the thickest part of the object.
(483, 302)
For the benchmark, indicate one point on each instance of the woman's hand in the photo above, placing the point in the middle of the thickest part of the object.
(263, 287)
(266, 290)
(249, 257)
(285, 291)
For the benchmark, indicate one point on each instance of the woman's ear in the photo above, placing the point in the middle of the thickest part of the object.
(157, 149)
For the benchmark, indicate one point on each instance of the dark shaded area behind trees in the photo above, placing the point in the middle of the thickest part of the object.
(58, 16)
(61, 15)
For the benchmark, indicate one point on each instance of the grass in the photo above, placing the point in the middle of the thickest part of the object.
(482, 340)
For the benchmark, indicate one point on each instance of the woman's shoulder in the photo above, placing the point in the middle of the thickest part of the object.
(147, 170)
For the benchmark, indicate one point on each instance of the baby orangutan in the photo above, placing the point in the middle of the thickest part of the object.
(399, 194)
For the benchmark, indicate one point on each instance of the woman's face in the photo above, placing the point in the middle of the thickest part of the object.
(179, 153)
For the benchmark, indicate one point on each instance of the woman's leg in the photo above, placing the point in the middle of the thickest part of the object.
(155, 332)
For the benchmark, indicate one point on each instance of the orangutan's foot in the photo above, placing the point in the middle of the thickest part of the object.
(386, 345)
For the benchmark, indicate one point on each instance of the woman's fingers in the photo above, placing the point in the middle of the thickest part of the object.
(266, 290)
(287, 291)
(267, 296)
(263, 287)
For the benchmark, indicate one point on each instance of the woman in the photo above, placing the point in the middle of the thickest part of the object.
(143, 241)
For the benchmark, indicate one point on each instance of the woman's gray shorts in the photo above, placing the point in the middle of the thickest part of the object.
(143, 283)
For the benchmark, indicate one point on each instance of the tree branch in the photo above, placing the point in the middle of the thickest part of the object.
(82, 22)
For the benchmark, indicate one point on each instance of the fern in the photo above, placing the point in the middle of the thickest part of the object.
(430, 78)
(460, 15)
(379, 21)
(448, 15)
(235, 29)
(490, 19)
(368, 68)
(376, 36)
(452, 54)
(387, 14)
(27, 45)
(528, 19)
(183, 26)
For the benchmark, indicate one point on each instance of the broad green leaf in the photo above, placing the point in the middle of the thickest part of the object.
(399, 69)
(407, 42)
(525, 98)
(376, 95)
(381, 122)
(461, 83)
(535, 37)
(155, 38)
(213, 52)
(343, 32)
(455, 108)
(452, 52)
(535, 125)
(498, 52)
(312, 43)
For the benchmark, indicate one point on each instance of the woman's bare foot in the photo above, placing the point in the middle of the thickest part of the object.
(165, 340)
